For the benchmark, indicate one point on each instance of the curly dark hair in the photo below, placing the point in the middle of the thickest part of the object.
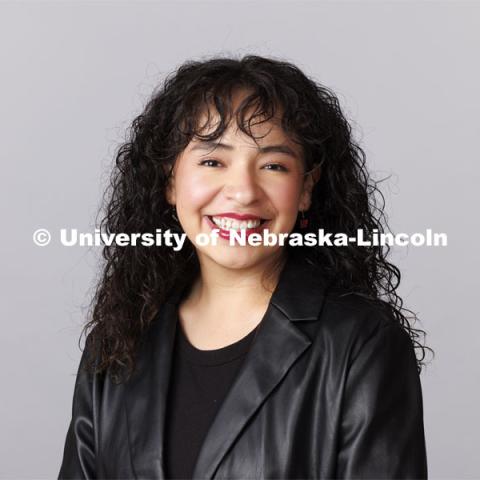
(135, 280)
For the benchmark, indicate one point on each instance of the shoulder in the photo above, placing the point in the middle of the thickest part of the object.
(349, 310)
(349, 323)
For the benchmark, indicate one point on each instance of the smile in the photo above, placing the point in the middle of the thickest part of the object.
(227, 225)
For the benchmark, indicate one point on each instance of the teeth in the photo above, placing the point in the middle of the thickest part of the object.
(231, 224)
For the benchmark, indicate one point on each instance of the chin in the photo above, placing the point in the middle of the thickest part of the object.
(237, 258)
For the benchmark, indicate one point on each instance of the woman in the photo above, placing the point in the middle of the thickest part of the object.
(240, 361)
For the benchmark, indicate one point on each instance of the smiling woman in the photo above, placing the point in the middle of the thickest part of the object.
(246, 361)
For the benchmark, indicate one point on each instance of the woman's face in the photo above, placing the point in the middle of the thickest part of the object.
(232, 177)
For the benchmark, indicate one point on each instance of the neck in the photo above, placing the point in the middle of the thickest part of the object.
(224, 289)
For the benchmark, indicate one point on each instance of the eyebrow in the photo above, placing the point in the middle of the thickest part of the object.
(210, 145)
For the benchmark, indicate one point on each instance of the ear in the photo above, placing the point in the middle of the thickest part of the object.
(170, 193)
(309, 182)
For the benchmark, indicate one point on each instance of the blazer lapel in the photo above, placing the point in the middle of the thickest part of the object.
(146, 396)
(277, 346)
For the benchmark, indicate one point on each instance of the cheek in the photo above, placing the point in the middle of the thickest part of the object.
(192, 190)
(285, 197)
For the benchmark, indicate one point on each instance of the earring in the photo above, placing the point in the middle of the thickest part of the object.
(303, 221)
(173, 213)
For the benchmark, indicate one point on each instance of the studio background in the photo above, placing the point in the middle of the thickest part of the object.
(74, 75)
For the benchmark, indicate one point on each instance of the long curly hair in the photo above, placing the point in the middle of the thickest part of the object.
(136, 280)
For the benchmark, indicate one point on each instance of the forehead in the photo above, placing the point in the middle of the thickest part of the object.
(242, 101)
(261, 133)
(274, 142)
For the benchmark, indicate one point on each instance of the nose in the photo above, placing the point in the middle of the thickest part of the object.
(242, 186)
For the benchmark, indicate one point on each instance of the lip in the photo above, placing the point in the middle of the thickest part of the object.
(226, 234)
(238, 216)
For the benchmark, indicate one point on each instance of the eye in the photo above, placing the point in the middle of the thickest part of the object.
(276, 167)
(280, 168)
(211, 160)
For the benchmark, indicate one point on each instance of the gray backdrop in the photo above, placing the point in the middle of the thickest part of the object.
(74, 74)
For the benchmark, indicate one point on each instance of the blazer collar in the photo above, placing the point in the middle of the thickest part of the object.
(299, 296)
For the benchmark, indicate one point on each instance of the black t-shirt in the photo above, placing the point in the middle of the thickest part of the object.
(199, 381)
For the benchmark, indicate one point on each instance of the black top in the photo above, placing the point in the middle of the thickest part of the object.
(199, 381)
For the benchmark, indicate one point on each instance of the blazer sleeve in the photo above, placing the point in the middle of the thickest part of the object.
(382, 432)
(80, 446)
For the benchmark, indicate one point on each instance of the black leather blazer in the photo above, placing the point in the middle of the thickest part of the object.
(329, 389)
